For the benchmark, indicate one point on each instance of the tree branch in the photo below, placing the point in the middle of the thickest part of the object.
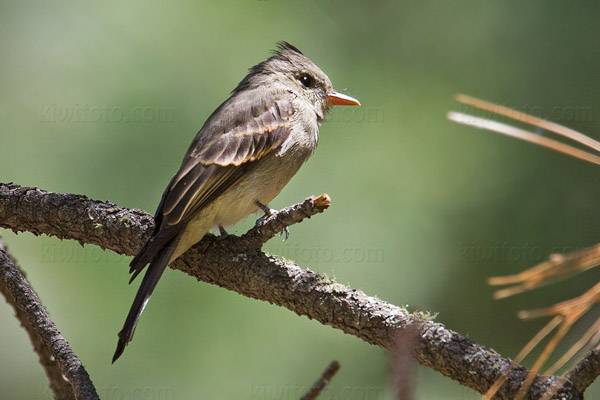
(68, 378)
(586, 371)
(238, 264)
(323, 380)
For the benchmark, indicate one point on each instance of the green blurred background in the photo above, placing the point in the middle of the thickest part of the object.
(103, 99)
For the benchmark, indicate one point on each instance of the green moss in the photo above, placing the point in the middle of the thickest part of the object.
(125, 220)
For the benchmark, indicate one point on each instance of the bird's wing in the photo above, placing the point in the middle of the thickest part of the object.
(239, 133)
(212, 163)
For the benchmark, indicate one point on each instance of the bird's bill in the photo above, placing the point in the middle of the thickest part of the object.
(338, 99)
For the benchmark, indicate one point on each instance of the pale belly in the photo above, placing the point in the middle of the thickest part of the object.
(261, 184)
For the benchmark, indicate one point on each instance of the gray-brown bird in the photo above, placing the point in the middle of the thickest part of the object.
(246, 152)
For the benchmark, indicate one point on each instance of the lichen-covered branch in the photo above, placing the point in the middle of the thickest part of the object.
(68, 378)
(238, 264)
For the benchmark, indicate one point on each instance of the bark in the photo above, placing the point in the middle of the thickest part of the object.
(237, 263)
(68, 378)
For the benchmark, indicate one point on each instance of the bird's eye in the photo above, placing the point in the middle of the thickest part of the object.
(306, 80)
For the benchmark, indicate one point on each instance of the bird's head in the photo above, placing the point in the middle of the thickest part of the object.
(290, 70)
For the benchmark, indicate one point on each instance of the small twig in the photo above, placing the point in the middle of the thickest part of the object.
(68, 378)
(277, 222)
(320, 384)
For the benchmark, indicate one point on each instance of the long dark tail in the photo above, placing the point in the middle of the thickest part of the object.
(153, 274)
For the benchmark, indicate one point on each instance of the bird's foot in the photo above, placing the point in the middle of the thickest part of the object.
(285, 230)
(266, 209)
(268, 213)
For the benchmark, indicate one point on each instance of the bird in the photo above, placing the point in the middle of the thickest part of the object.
(245, 153)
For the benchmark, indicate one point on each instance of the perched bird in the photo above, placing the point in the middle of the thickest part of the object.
(246, 152)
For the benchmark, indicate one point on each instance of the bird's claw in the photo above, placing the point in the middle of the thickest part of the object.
(285, 230)
(262, 219)
(267, 210)
(268, 213)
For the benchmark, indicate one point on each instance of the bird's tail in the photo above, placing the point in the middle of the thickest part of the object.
(153, 274)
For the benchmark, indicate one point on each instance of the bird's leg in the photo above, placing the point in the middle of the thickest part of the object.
(266, 209)
(223, 233)
(268, 212)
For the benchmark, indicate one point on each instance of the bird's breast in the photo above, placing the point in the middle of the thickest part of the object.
(261, 183)
(303, 138)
